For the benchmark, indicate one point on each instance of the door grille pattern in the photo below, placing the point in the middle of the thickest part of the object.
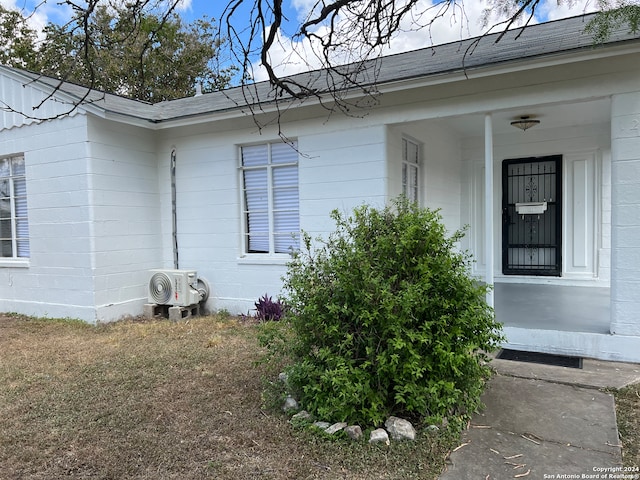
(532, 241)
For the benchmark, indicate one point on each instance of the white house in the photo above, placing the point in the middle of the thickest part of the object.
(86, 197)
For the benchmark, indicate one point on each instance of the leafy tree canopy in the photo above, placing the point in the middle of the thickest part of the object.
(141, 55)
(17, 40)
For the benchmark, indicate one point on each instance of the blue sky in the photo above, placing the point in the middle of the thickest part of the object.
(191, 9)
(549, 9)
(213, 8)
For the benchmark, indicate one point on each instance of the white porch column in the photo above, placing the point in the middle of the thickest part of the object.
(488, 204)
(625, 214)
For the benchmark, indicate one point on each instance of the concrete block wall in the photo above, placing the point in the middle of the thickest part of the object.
(56, 281)
(341, 166)
(625, 214)
(208, 212)
(440, 170)
(94, 224)
(125, 235)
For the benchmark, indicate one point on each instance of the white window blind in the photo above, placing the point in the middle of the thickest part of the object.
(271, 200)
(14, 224)
(410, 170)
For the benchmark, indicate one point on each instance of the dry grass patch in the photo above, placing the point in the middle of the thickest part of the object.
(628, 414)
(159, 400)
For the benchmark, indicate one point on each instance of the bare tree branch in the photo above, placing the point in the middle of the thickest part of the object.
(345, 37)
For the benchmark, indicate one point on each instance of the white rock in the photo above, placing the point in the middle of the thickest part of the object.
(322, 425)
(290, 403)
(379, 435)
(354, 432)
(302, 415)
(400, 429)
(283, 377)
(336, 427)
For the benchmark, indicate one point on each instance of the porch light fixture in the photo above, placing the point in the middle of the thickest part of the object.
(525, 123)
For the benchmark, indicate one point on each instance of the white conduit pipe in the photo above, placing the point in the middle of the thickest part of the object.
(174, 215)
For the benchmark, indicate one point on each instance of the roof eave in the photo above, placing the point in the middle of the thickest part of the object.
(511, 66)
(454, 75)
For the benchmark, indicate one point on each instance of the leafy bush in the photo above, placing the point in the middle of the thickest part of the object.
(387, 320)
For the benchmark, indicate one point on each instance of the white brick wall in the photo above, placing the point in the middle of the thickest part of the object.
(343, 169)
(93, 219)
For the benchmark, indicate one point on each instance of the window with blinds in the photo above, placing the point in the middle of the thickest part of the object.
(410, 170)
(14, 225)
(270, 198)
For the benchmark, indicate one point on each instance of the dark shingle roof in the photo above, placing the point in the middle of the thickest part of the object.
(551, 38)
(559, 37)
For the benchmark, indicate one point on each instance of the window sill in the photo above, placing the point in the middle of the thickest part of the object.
(14, 263)
(264, 259)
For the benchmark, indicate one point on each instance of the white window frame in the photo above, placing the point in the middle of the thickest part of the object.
(16, 220)
(270, 167)
(410, 174)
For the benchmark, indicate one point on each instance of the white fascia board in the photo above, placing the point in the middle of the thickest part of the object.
(509, 66)
(118, 117)
(228, 114)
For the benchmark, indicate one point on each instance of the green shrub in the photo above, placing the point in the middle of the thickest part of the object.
(386, 319)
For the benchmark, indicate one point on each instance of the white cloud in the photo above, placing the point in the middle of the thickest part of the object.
(552, 11)
(290, 56)
(184, 5)
(303, 8)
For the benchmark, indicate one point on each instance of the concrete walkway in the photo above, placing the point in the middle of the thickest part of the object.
(544, 422)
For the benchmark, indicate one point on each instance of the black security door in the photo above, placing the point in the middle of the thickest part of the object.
(532, 216)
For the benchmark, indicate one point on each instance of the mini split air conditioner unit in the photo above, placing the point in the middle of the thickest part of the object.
(180, 288)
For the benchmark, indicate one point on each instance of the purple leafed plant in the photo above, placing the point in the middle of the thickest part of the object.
(269, 310)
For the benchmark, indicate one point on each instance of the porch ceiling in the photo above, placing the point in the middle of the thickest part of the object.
(550, 116)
